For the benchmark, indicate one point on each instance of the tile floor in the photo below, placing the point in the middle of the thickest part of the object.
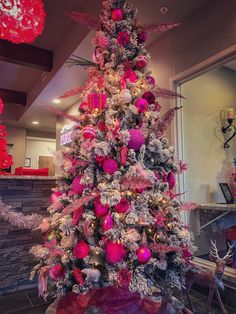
(29, 303)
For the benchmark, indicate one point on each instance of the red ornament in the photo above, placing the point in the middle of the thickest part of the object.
(107, 223)
(151, 80)
(141, 62)
(124, 277)
(81, 250)
(77, 187)
(123, 155)
(142, 37)
(78, 275)
(115, 252)
(117, 15)
(1, 106)
(21, 21)
(110, 166)
(137, 139)
(130, 75)
(123, 206)
(171, 180)
(100, 160)
(143, 254)
(142, 105)
(123, 38)
(89, 132)
(150, 97)
(77, 215)
(57, 272)
(100, 209)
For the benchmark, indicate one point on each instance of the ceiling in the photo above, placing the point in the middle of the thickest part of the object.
(231, 65)
(60, 39)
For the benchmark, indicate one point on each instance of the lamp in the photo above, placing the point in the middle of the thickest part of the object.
(227, 124)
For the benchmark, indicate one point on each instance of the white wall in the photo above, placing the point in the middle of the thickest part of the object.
(36, 147)
(208, 162)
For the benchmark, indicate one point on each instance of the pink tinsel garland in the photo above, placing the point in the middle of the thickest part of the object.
(159, 28)
(19, 220)
(166, 93)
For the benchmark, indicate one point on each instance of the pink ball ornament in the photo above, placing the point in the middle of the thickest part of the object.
(143, 254)
(57, 272)
(77, 187)
(81, 250)
(150, 97)
(100, 209)
(123, 206)
(107, 223)
(151, 80)
(123, 38)
(110, 166)
(115, 252)
(137, 139)
(130, 75)
(142, 105)
(117, 15)
(55, 195)
(89, 132)
(141, 62)
(171, 180)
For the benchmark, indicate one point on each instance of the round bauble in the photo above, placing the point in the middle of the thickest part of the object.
(123, 38)
(115, 252)
(130, 75)
(110, 166)
(142, 105)
(83, 107)
(143, 254)
(141, 62)
(57, 272)
(137, 139)
(123, 206)
(81, 250)
(100, 209)
(107, 223)
(142, 37)
(150, 97)
(117, 15)
(151, 80)
(103, 41)
(77, 187)
(89, 132)
(126, 96)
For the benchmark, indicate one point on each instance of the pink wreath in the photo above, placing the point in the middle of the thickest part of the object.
(21, 21)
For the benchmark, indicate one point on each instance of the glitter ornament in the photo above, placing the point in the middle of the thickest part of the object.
(143, 254)
(142, 105)
(123, 155)
(115, 252)
(100, 209)
(137, 139)
(123, 38)
(89, 132)
(130, 75)
(142, 37)
(123, 206)
(126, 96)
(57, 272)
(101, 40)
(1, 106)
(150, 97)
(151, 80)
(107, 223)
(110, 166)
(141, 62)
(77, 187)
(81, 250)
(117, 15)
(171, 180)
(21, 21)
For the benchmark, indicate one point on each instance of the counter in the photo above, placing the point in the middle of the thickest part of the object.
(26, 194)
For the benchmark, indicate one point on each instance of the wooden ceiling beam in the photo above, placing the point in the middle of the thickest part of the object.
(26, 55)
(13, 97)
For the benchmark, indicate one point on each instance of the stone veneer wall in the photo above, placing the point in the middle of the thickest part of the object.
(26, 195)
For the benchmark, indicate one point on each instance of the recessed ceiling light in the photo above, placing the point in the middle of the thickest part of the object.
(56, 101)
(35, 122)
(164, 10)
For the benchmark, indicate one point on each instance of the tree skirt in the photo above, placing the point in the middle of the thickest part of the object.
(109, 300)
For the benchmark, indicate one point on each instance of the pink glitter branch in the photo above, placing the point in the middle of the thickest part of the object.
(167, 119)
(63, 114)
(189, 206)
(160, 28)
(87, 20)
(72, 92)
(19, 220)
(166, 93)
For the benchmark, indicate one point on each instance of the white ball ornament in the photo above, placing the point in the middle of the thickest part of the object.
(126, 96)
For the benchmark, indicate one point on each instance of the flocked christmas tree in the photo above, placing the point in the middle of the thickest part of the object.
(114, 218)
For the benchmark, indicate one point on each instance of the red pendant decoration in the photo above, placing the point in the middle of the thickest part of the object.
(21, 21)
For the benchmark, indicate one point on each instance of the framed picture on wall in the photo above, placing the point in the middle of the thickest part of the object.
(27, 162)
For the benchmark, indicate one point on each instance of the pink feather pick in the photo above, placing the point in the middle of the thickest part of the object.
(84, 19)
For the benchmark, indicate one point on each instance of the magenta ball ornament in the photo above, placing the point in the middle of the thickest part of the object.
(89, 132)
(137, 139)
(123, 38)
(142, 37)
(117, 15)
(171, 180)
(100, 209)
(150, 97)
(110, 166)
(142, 105)
(123, 206)
(115, 252)
(107, 223)
(131, 76)
(57, 272)
(81, 250)
(77, 187)
(143, 254)
(151, 80)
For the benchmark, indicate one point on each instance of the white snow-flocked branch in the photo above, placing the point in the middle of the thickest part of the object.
(19, 220)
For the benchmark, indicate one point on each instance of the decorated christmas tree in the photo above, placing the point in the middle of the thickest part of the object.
(114, 218)
(5, 159)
